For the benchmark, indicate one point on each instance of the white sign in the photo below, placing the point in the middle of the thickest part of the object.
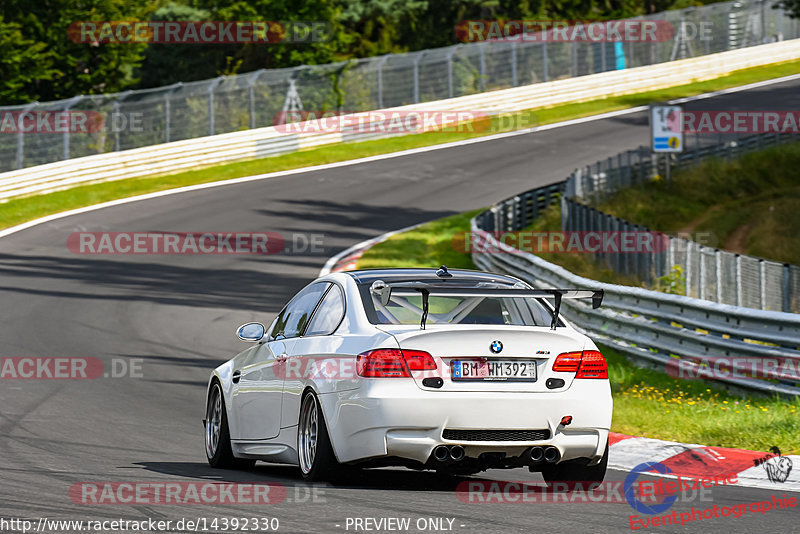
(665, 129)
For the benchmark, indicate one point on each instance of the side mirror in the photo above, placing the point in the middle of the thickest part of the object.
(251, 332)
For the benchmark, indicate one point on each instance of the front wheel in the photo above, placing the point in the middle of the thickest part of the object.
(317, 460)
(576, 471)
(218, 439)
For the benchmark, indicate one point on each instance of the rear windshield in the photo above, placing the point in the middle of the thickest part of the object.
(407, 310)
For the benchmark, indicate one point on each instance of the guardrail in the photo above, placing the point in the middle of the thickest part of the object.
(264, 142)
(229, 103)
(688, 336)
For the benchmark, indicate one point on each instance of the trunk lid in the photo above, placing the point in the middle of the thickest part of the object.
(473, 343)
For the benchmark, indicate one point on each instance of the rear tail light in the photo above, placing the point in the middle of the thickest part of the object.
(393, 363)
(567, 362)
(419, 360)
(593, 365)
(587, 364)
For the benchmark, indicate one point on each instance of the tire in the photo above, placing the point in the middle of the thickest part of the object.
(316, 458)
(217, 435)
(576, 471)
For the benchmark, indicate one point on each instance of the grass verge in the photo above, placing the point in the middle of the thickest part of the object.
(23, 209)
(429, 245)
(646, 402)
(651, 404)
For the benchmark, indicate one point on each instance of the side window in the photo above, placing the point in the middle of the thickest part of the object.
(329, 314)
(295, 315)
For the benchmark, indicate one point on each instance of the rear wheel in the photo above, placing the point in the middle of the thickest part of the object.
(317, 460)
(576, 471)
(218, 439)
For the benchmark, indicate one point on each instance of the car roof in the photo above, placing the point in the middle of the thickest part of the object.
(367, 276)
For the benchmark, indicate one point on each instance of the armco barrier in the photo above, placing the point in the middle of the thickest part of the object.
(663, 330)
(672, 332)
(263, 142)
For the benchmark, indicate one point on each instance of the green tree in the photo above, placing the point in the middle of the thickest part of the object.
(165, 64)
(83, 68)
(25, 65)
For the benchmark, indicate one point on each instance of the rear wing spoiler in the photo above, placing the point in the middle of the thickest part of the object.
(385, 291)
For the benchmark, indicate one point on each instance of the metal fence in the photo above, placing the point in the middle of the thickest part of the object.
(232, 103)
(707, 272)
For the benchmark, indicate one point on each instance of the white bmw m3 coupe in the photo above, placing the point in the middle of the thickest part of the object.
(458, 371)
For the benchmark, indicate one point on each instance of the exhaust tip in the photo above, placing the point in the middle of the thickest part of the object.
(537, 454)
(457, 453)
(441, 453)
(551, 455)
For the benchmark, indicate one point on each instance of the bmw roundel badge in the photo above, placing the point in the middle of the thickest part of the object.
(496, 346)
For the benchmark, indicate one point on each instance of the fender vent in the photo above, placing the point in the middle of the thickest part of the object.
(495, 435)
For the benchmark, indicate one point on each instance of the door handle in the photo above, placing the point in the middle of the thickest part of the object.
(236, 376)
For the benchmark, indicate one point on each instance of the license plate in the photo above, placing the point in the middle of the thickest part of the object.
(485, 370)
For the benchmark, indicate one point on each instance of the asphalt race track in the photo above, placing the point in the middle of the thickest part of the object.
(172, 318)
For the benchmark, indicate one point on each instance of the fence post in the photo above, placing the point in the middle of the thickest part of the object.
(762, 286)
(701, 281)
(513, 64)
(544, 60)
(71, 102)
(515, 205)
(115, 107)
(115, 111)
(718, 273)
(213, 85)
(168, 110)
(574, 59)
(482, 48)
(251, 96)
(787, 288)
(381, 61)
(739, 288)
(603, 54)
(728, 27)
(416, 76)
(688, 267)
(21, 135)
(449, 73)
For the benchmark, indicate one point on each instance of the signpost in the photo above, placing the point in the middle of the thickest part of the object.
(666, 134)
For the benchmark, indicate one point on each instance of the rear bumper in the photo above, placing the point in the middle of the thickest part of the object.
(391, 417)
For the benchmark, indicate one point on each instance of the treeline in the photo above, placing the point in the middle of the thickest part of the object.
(41, 60)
